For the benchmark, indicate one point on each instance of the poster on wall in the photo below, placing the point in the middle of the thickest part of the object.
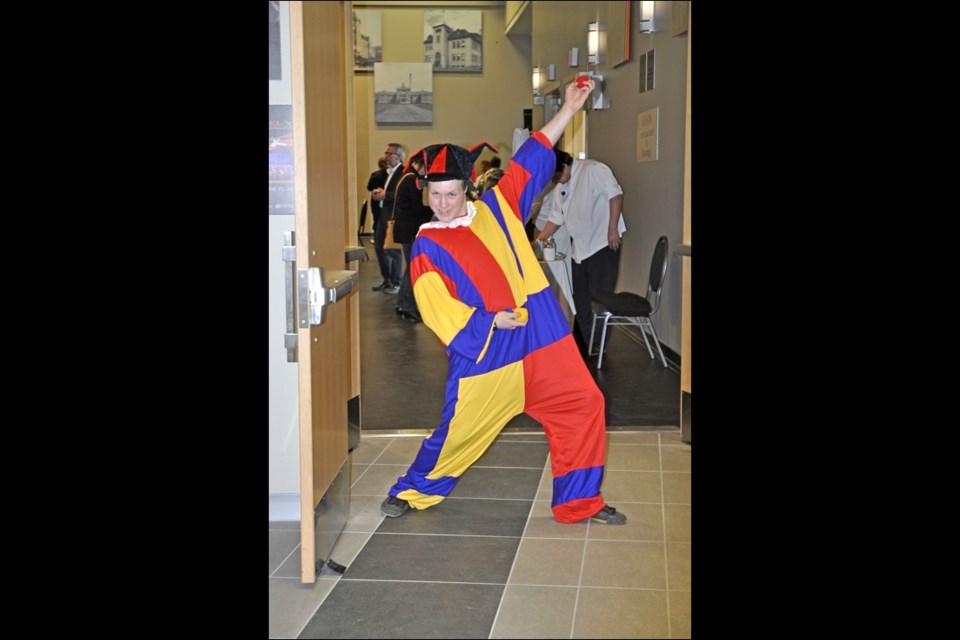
(280, 159)
(453, 41)
(403, 93)
(367, 48)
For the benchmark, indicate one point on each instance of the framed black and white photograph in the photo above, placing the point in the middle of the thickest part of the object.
(403, 92)
(367, 47)
(453, 41)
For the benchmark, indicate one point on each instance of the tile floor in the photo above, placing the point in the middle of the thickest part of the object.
(490, 561)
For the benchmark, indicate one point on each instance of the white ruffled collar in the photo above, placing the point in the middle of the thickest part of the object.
(462, 221)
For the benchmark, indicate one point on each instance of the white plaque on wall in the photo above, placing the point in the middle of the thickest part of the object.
(647, 134)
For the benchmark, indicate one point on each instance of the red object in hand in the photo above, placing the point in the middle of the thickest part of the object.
(581, 81)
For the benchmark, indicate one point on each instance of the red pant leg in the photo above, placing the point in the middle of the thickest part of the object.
(562, 396)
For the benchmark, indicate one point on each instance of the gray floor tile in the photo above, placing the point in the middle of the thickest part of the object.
(405, 610)
(282, 543)
(368, 450)
(675, 457)
(677, 522)
(377, 479)
(678, 566)
(492, 482)
(631, 565)
(631, 486)
(672, 436)
(676, 487)
(509, 453)
(535, 612)
(621, 613)
(620, 437)
(679, 606)
(285, 525)
(364, 513)
(290, 568)
(347, 547)
(546, 562)
(463, 516)
(293, 603)
(633, 457)
(481, 559)
(401, 451)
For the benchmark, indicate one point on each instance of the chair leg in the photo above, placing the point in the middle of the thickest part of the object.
(603, 338)
(640, 324)
(656, 341)
(593, 329)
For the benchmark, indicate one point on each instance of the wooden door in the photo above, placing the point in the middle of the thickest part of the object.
(320, 87)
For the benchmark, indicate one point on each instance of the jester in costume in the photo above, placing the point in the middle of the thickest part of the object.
(480, 289)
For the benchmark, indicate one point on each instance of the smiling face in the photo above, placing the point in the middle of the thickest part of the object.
(447, 200)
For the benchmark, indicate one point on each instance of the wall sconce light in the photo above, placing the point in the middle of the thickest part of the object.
(599, 99)
(537, 85)
(647, 16)
(593, 43)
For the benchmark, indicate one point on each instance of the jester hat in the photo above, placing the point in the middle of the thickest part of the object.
(442, 162)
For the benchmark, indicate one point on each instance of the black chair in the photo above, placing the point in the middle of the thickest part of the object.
(363, 221)
(628, 308)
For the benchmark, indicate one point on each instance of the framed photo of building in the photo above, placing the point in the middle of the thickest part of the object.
(367, 47)
(403, 93)
(453, 41)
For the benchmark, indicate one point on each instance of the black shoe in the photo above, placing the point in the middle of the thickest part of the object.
(412, 316)
(398, 310)
(609, 515)
(380, 287)
(393, 288)
(394, 507)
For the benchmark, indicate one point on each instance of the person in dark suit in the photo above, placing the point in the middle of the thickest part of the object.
(378, 180)
(390, 260)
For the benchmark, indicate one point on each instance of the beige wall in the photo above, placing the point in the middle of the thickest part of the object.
(653, 191)
(467, 107)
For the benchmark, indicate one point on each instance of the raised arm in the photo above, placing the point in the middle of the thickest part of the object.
(573, 100)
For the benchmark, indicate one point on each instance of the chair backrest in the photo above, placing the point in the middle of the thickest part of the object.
(363, 219)
(658, 271)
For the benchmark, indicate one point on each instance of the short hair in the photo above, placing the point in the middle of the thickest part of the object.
(401, 152)
(495, 162)
(563, 158)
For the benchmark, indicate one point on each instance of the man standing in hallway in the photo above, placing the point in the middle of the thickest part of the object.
(390, 260)
(481, 290)
(588, 201)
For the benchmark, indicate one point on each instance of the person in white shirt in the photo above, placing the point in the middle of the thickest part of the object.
(588, 201)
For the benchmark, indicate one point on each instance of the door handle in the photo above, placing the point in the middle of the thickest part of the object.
(290, 261)
(319, 289)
